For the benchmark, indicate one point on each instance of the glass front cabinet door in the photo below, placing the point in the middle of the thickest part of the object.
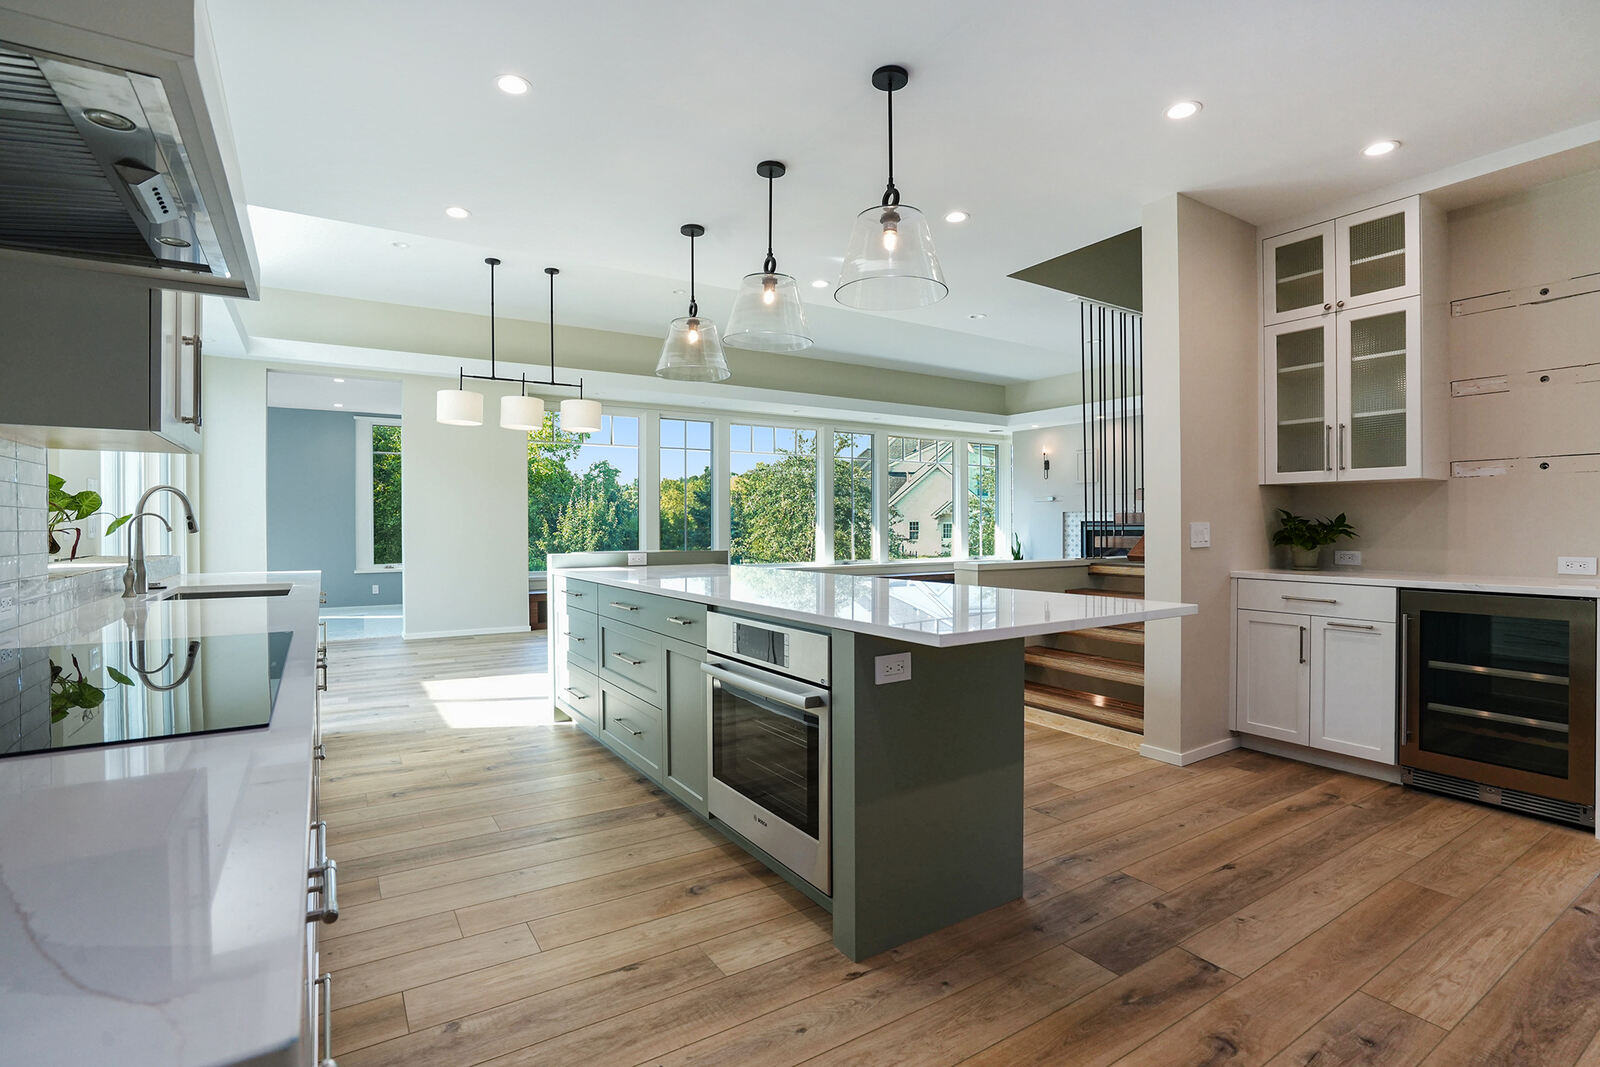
(1297, 272)
(1379, 368)
(1301, 401)
(1377, 254)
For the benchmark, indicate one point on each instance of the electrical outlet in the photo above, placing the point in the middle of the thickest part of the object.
(1575, 565)
(638, 559)
(895, 667)
(1199, 535)
(1347, 557)
(374, 590)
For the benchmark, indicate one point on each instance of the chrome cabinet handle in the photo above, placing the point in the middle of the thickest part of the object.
(629, 662)
(1341, 447)
(577, 694)
(322, 676)
(319, 752)
(1349, 626)
(327, 875)
(1327, 448)
(620, 606)
(1405, 679)
(1327, 307)
(575, 593)
(680, 621)
(320, 830)
(1338, 303)
(628, 726)
(1309, 599)
(325, 985)
(1302, 644)
(573, 637)
(193, 340)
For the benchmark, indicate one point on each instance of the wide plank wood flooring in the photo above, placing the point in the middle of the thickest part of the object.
(514, 894)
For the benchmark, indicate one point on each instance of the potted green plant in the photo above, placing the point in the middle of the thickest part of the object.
(1306, 537)
(1016, 546)
(67, 509)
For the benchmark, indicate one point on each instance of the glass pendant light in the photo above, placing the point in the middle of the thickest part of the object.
(577, 414)
(891, 264)
(693, 351)
(767, 314)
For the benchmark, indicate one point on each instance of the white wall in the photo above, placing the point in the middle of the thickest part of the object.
(464, 519)
(231, 506)
(1036, 520)
(1201, 330)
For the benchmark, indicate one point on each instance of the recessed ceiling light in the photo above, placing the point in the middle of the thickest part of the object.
(401, 244)
(338, 405)
(175, 242)
(1184, 109)
(957, 216)
(109, 119)
(339, 379)
(457, 212)
(512, 84)
(677, 292)
(1380, 148)
(979, 315)
(820, 283)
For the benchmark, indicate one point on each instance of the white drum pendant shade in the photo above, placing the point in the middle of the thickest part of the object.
(521, 413)
(768, 315)
(580, 416)
(891, 264)
(459, 407)
(692, 352)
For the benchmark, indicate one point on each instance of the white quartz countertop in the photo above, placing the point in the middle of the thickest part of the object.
(925, 613)
(153, 895)
(1473, 583)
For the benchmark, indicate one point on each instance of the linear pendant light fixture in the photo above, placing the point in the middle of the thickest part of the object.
(463, 407)
(891, 264)
(767, 314)
(692, 351)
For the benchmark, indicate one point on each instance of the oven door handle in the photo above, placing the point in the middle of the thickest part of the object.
(799, 697)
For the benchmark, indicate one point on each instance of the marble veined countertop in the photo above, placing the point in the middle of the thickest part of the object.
(925, 613)
(153, 895)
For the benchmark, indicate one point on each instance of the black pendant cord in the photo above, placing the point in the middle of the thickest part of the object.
(891, 195)
(551, 271)
(694, 308)
(494, 370)
(493, 263)
(770, 264)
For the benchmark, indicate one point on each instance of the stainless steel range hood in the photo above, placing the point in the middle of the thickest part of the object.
(114, 168)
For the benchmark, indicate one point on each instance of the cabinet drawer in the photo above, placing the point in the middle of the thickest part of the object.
(634, 728)
(581, 632)
(579, 594)
(581, 695)
(677, 619)
(1327, 599)
(631, 657)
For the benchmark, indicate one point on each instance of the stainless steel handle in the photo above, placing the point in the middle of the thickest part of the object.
(801, 699)
(569, 635)
(1309, 599)
(1350, 626)
(678, 621)
(1341, 446)
(193, 340)
(325, 984)
(1405, 679)
(579, 694)
(319, 830)
(1327, 448)
(322, 676)
(1302, 644)
(620, 606)
(629, 662)
(575, 594)
(319, 752)
(328, 890)
(626, 725)
(322, 637)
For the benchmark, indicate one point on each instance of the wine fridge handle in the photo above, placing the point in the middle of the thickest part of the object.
(1405, 679)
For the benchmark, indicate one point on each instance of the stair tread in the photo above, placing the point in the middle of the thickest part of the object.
(1092, 707)
(1083, 663)
(1122, 635)
(1124, 570)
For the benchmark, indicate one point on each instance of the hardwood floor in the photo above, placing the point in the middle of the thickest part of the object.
(513, 894)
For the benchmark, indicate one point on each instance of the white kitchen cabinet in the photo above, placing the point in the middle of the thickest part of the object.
(1274, 676)
(1297, 274)
(1377, 255)
(1300, 391)
(1353, 689)
(1322, 675)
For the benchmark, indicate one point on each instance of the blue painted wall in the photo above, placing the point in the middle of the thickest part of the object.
(311, 504)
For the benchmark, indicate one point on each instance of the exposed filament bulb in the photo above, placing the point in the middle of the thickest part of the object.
(694, 331)
(769, 289)
(891, 231)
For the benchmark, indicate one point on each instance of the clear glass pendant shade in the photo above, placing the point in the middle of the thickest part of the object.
(692, 352)
(891, 264)
(768, 315)
(580, 416)
(521, 413)
(459, 407)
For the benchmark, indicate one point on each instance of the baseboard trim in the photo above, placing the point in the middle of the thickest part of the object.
(1334, 761)
(1188, 756)
(479, 632)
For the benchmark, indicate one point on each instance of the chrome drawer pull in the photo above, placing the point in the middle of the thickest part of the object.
(322, 676)
(326, 982)
(629, 662)
(620, 606)
(1309, 599)
(319, 752)
(680, 621)
(575, 693)
(574, 593)
(573, 636)
(1349, 626)
(628, 726)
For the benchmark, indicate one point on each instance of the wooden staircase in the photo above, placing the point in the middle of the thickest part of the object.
(1094, 675)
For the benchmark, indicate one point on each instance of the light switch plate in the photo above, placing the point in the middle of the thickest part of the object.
(895, 667)
(1199, 535)
(1575, 565)
(638, 559)
(374, 590)
(1347, 557)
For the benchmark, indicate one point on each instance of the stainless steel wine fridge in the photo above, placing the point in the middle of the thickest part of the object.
(1500, 700)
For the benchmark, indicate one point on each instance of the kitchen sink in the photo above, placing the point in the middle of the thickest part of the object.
(227, 592)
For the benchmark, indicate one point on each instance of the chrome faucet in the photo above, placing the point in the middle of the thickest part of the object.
(135, 580)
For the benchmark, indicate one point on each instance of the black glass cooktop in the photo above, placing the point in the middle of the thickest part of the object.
(118, 693)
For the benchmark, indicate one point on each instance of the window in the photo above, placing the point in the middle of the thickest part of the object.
(983, 495)
(378, 496)
(852, 496)
(685, 484)
(583, 488)
(921, 474)
(772, 494)
(915, 531)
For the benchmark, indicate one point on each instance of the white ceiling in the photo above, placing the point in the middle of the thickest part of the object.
(358, 122)
(322, 392)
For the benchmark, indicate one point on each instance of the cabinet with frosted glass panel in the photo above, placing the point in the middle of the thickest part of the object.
(1354, 385)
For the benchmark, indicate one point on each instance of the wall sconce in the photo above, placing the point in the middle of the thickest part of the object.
(1046, 456)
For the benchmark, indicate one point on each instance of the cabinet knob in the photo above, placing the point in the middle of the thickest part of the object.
(1338, 303)
(1327, 307)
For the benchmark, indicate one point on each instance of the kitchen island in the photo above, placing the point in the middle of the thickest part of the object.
(878, 720)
